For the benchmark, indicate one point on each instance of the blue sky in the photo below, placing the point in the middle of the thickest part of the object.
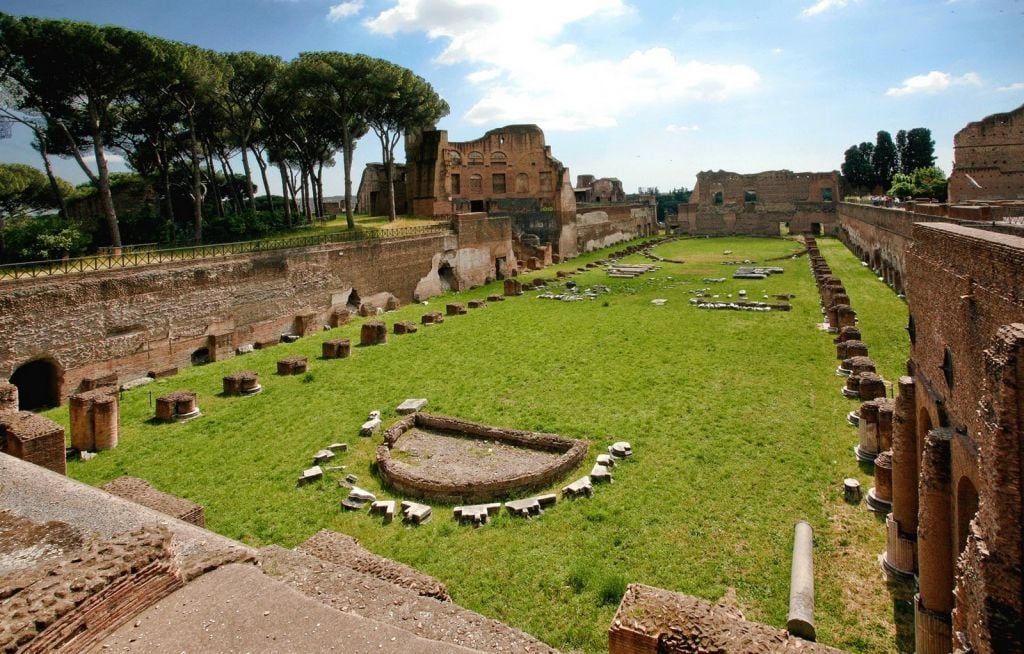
(649, 92)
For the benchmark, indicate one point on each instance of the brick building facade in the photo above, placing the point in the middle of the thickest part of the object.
(508, 168)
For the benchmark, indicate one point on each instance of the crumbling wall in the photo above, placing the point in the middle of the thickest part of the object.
(989, 159)
(611, 224)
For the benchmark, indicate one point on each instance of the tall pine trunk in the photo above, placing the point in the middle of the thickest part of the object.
(347, 150)
(248, 178)
(266, 183)
(286, 192)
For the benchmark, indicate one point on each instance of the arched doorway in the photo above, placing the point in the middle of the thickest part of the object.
(966, 508)
(38, 385)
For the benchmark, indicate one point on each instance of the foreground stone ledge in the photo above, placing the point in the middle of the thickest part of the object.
(655, 621)
(141, 492)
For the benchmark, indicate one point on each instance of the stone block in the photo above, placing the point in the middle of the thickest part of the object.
(851, 490)
(432, 318)
(495, 298)
(306, 324)
(513, 287)
(141, 492)
(162, 372)
(477, 304)
(405, 327)
(293, 365)
(475, 514)
(92, 383)
(323, 456)
(606, 460)
(338, 447)
(620, 450)
(384, 508)
(526, 508)
(582, 487)
(310, 475)
(415, 513)
(455, 309)
(371, 425)
(411, 405)
(599, 473)
(373, 332)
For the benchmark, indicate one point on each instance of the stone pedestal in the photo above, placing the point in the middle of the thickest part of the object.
(477, 304)
(177, 406)
(880, 497)
(933, 632)
(339, 348)
(899, 560)
(242, 383)
(513, 287)
(305, 324)
(901, 541)
(871, 386)
(294, 365)
(432, 318)
(373, 332)
(455, 309)
(851, 348)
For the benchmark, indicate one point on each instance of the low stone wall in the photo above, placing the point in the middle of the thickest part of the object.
(410, 481)
(756, 218)
(33, 438)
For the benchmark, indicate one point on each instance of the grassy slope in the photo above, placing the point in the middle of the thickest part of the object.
(736, 419)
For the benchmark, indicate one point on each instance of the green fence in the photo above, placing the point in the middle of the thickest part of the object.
(133, 258)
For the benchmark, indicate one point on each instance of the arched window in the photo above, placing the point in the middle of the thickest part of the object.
(499, 158)
(476, 184)
(476, 158)
(522, 183)
(455, 157)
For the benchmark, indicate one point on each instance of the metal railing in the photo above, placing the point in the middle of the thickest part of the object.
(136, 257)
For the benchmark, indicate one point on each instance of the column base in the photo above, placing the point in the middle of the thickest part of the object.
(899, 560)
(933, 632)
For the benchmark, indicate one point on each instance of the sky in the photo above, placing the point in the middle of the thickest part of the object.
(649, 91)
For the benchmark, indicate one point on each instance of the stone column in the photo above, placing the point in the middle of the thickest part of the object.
(934, 605)
(880, 496)
(867, 432)
(83, 438)
(800, 621)
(901, 525)
(105, 419)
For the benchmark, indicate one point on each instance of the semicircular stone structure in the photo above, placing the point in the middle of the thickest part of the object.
(448, 459)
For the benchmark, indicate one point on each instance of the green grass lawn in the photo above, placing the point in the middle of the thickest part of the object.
(736, 420)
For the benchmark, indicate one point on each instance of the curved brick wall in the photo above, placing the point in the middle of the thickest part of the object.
(409, 481)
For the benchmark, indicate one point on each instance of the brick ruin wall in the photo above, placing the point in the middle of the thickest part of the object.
(882, 236)
(721, 204)
(588, 229)
(991, 152)
(129, 322)
(965, 289)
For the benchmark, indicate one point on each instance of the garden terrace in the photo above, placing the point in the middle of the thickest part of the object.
(735, 417)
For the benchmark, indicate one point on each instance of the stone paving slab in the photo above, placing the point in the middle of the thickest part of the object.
(237, 608)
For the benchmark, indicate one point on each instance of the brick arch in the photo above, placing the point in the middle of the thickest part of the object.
(966, 509)
(39, 383)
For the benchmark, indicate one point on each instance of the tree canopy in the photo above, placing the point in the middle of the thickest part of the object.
(180, 114)
(873, 166)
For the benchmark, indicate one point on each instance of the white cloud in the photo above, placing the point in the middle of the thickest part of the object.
(777, 51)
(535, 74)
(344, 10)
(484, 75)
(933, 82)
(822, 6)
(682, 129)
(1016, 86)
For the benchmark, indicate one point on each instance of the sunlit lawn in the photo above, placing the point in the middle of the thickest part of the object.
(736, 419)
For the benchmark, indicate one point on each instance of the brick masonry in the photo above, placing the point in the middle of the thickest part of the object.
(989, 156)
(117, 325)
(730, 203)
